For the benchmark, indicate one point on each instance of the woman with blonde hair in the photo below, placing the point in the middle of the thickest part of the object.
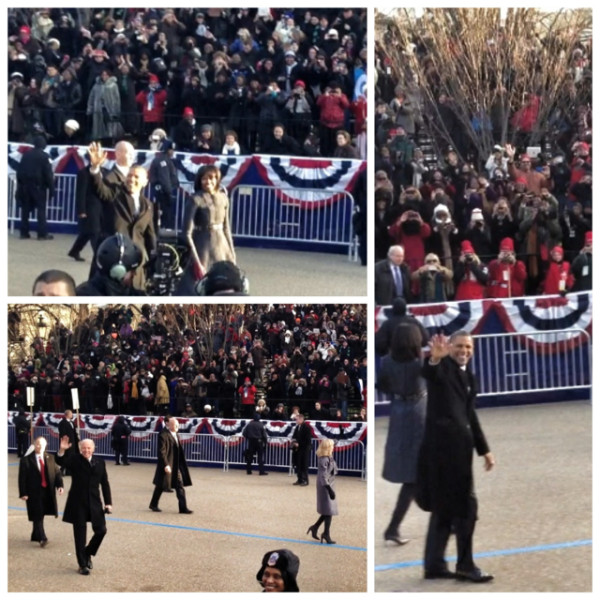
(326, 503)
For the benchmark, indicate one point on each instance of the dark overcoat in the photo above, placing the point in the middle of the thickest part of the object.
(84, 502)
(408, 393)
(30, 485)
(385, 288)
(452, 431)
(327, 470)
(172, 454)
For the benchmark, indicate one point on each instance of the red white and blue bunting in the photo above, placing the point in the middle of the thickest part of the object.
(98, 426)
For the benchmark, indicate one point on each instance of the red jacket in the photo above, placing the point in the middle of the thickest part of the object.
(498, 286)
(558, 272)
(332, 110)
(247, 394)
(156, 114)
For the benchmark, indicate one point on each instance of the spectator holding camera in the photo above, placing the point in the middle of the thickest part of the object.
(507, 275)
(535, 180)
(502, 224)
(559, 279)
(332, 105)
(411, 232)
(470, 274)
(432, 279)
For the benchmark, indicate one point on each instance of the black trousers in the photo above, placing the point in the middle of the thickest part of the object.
(179, 490)
(80, 533)
(37, 533)
(255, 447)
(438, 533)
(302, 463)
(34, 199)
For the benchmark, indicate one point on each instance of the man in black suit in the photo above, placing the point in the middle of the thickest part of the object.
(66, 427)
(39, 478)
(133, 212)
(445, 470)
(392, 278)
(256, 436)
(171, 469)
(301, 445)
(84, 503)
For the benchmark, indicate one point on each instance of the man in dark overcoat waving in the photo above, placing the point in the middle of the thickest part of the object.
(445, 476)
(171, 469)
(88, 474)
(39, 478)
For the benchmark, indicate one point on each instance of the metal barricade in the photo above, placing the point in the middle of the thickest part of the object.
(209, 449)
(519, 363)
(293, 215)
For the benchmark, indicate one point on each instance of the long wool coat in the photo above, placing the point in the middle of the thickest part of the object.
(327, 470)
(408, 393)
(172, 454)
(88, 477)
(30, 485)
(452, 431)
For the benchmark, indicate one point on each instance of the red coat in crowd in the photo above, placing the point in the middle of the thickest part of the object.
(559, 277)
(332, 107)
(153, 107)
(247, 392)
(506, 280)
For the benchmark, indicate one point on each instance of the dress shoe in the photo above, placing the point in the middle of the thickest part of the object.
(440, 574)
(76, 256)
(25, 236)
(297, 483)
(90, 564)
(126, 464)
(43, 543)
(395, 538)
(248, 472)
(43, 238)
(84, 571)
(263, 473)
(304, 483)
(476, 575)
(154, 508)
(186, 511)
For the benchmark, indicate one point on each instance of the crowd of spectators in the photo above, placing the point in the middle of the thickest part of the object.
(277, 360)
(215, 81)
(462, 226)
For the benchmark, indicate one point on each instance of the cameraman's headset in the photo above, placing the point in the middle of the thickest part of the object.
(119, 270)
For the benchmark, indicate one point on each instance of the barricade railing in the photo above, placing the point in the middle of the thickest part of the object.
(518, 363)
(256, 212)
(293, 215)
(212, 449)
(531, 362)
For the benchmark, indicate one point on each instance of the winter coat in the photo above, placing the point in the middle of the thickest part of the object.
(104, 105)
(30, 485)
(327, 470)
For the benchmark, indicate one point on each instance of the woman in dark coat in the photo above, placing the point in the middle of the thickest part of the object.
(206, 223)
(120, 439)
(40, 498)
(400, 377)
(326, 503)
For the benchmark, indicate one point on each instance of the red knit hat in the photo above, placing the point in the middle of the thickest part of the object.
(152, 78)
(558, 249)
(467, 247)
(25, 29)
(507, 245)
(188, 112)
(588, 237)
(300, 83)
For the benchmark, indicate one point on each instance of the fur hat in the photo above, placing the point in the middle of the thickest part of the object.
(287, 562)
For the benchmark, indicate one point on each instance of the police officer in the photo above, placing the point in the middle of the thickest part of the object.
(35, 179)
(117, 259)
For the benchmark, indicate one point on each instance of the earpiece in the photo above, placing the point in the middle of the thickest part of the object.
(119, 270)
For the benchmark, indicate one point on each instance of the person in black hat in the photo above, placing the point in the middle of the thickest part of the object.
(117, 259)
(224, 279)
(279, 571)
(164, 182)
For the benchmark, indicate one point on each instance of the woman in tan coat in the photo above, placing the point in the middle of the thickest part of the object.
(162, 397)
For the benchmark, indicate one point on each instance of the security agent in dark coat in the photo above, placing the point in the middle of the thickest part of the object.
(395, 316)
(92, 214)
(301, 444)
(22, 428)
(444, 473)
(35, 179)
(171, 469)
(386, 290)
(84, 504)
(164, 182)
(120, 439)
(256, 435)
(39, 491)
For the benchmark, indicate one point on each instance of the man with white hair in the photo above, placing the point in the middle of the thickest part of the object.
(88, 474)
(392, 278)
(39, 478)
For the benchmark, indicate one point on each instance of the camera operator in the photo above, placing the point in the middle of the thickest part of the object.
(507, 275)
(117, 259)
(470, 274)
(223, 279)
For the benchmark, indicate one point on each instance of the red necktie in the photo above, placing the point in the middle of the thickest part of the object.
(43, 472)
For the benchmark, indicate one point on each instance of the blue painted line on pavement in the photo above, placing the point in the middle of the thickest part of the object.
(221, 532)
(506, 552)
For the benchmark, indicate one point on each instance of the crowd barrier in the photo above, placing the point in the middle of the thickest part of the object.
(213, 450)
(255, 212)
